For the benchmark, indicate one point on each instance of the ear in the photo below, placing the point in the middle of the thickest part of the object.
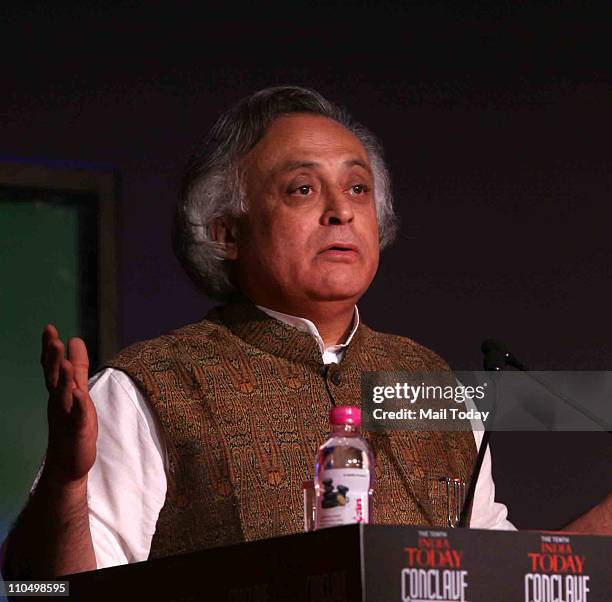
(223, 231)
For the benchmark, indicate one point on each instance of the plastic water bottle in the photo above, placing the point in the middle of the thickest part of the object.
(344, 472)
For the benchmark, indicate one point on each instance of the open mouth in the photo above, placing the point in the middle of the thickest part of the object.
(340, 248)
(340, 251)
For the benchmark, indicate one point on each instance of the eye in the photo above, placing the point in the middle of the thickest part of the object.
(303, 190)
(359, 189)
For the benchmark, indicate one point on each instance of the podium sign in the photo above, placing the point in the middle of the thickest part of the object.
(363, 563)
(414, 564)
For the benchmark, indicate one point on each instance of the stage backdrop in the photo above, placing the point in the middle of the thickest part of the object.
(496, 123)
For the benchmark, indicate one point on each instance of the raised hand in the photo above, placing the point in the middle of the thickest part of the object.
(51, 536)
(73, 422)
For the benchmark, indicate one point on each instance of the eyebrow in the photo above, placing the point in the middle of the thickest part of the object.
(292, 165)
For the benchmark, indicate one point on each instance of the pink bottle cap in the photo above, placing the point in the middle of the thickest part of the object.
(345, 415)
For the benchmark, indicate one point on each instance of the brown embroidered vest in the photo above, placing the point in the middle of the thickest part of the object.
(243, 402)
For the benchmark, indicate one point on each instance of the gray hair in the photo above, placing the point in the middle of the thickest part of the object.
(213, 183)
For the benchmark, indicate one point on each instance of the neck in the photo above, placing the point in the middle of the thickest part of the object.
(333, 319)
(333, 324)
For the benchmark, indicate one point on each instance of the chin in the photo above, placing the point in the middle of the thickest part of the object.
(336, 296)
(339, 293)
(339, 285)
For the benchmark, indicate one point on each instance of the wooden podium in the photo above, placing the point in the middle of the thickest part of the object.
(363, 563)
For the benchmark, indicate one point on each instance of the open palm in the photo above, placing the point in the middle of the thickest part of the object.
(73, 422)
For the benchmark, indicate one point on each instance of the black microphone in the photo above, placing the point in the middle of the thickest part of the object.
(494, 360)
(496, 353)
(492, 348)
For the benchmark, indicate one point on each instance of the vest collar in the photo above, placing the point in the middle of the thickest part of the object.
(329, 354)
(263, 331)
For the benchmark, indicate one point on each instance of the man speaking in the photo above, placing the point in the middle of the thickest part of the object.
(203, 437)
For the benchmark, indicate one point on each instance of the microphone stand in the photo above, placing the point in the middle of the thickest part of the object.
(496, 358)
(491, 363)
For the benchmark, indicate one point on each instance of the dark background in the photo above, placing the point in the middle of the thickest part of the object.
(497, 124)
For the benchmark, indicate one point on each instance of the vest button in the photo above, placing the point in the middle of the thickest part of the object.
(336, 378)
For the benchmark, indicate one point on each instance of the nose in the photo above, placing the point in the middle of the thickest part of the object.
(338, 209)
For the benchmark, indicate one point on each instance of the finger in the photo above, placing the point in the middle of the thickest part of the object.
(54, 359)
(49, 333)
(78, 412)
(65, 386)
(77, 354)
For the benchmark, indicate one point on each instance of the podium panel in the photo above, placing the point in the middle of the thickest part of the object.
(363, 563)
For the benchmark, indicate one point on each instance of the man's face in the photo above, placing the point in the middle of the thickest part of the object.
(311, 232)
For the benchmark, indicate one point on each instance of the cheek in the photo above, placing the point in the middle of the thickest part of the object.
(290, 238)
(281, 246)
(371, 237)
(374, 258)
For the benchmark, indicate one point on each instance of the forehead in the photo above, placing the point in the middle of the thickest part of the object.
(303, 137)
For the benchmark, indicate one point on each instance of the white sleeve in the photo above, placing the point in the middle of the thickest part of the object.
(486, 512)
(126, 487)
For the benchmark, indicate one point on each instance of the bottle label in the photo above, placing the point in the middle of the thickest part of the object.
(342, 497)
